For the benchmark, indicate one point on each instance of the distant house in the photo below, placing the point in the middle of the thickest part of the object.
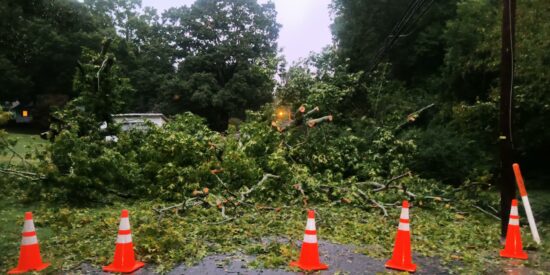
(37, 111)
(22, 113)
(133, 121)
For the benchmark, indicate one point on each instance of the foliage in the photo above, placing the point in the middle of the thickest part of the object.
(79, 158)
(141, 47)
(228, 50)
(218, 58)
(361, 27)
(20, 149)
(39, 44)
(4, 116)
(451, 56)
(471, 68)
(101, 91)
(452, 231)
(233, 189)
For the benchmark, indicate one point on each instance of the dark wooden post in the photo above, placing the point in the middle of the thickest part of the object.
(507, 185)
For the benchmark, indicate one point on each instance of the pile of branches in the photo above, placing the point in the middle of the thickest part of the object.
(226, 199)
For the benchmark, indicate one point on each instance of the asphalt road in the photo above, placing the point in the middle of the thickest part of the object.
(341, 259)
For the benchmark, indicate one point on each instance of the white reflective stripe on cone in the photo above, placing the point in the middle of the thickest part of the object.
(514, 211)
(310, 225)
(310, 238)
(28, 226)
(405, 213)
(404, 226)
(124, 224)
(29, 240)
(124, 238)
(513, 222)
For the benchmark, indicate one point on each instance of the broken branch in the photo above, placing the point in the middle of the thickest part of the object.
(249, 190)
(486, 212)
(313, 122)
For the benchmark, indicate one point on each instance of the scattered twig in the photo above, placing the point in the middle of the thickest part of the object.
(408, 173)
(23, 174)
(222, 221)
(397, 203)
(249, 190)
(299, 188)
(486, 212)
(413, 116)
(14, 153)
(225, 185)
(223, 211)
(179, 206)
(372, 183)
(316, 109)
(385, 185)
(435, 198)
(492, 208)
(409, 193)
(120, 194)
(379, 205)
(105, 65)
(376, 203)
(276, 209)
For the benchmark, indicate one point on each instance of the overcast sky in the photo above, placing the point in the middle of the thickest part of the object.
(305, 24)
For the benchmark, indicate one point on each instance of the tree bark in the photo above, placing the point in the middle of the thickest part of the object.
(506, 181)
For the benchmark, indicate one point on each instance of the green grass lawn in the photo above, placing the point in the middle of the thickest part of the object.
(25, 146)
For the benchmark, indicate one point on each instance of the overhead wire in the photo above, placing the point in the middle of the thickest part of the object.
(393, 32)
(397, 29)
(393, 37)
(404, 23)
(412, 25)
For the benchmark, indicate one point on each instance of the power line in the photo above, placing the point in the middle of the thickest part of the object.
(392, 38)
(396, 31)
(419, 17)
(417, 7)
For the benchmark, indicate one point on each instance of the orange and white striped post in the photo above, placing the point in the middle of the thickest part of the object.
(526, 204)
(29, 255)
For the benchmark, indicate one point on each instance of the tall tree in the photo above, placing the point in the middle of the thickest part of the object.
(101, 90)
(228, 58)
(40, 42)
(141, 46)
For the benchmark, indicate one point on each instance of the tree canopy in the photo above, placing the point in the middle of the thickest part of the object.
(218, 59)
(227, 58)
(215, 58)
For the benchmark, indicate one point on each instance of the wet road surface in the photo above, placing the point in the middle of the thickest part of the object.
(341, 258)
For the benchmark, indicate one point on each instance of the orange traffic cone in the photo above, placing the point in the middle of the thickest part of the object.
(513, 247)
(402, 259)
(29, 255)
(309, 257)
(125, 260)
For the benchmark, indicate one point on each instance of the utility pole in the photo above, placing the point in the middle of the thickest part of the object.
(507, 185)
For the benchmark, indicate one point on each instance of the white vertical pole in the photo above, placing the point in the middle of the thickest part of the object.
(526, 204)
